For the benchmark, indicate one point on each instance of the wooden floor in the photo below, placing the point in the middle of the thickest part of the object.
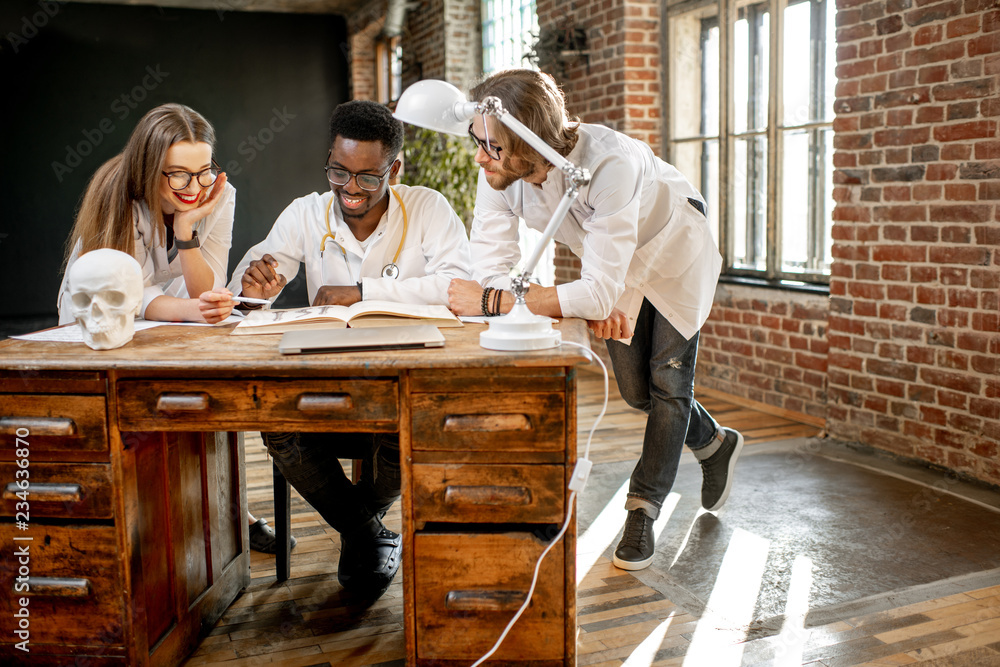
(304, 621)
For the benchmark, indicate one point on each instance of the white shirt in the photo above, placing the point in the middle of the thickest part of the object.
(435, 250)
(160, 275)
(632, 227)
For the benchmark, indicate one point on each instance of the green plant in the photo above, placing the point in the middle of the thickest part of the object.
(555, 45)
(442, 162)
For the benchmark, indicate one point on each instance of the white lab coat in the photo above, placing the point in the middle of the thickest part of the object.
(160, 276)
(435, 250)
(632, 227)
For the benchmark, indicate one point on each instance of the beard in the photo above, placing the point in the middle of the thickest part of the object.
(510, 170)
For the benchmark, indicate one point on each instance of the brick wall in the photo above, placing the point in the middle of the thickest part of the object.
(441, 40)
(424, 42)
(767, 346)
(914, 364)
(363, 29)
(618, 84)
(463, 42)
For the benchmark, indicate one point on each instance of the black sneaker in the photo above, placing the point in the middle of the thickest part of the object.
(264, 539)
(717, 471)
(635, 551)
(369, 559)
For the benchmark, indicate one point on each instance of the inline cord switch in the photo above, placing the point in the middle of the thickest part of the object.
(580, 475)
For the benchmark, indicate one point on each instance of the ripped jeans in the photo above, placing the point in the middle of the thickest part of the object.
(309, 461)
(655, 374)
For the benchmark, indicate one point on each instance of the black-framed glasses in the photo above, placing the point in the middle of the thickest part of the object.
(179, 180)
(493, 152)
(368, 182)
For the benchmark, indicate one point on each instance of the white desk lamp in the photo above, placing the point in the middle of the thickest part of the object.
(438, 105)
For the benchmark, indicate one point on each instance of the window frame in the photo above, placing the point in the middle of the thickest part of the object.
(724, 14)
(491, 22)
(388, 69)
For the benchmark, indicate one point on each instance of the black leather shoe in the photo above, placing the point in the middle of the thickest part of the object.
(369, 559)
(635, 551)
(264, 539)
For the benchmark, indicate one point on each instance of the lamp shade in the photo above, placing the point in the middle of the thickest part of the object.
(435, 105)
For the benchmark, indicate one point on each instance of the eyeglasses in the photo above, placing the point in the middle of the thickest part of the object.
(369, 182)
(179, 180)
(493, 152)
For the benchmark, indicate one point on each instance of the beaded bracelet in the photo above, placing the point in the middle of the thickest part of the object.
(496, 303)
(485, 301)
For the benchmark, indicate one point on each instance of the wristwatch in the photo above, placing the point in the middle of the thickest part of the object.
(188, 245)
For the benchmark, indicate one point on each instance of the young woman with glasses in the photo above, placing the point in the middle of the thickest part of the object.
(164, 201)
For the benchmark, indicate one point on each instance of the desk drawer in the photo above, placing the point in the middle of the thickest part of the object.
(469, 586)
(54, 424)
(489, 493)
(59, 490)
(497, 422)
(75, 588)
(271, 405)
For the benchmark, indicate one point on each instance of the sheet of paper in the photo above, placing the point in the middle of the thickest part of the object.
(72, 333)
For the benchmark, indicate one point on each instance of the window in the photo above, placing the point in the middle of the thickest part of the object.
(510, 27)
(388, 69)
(767, 89)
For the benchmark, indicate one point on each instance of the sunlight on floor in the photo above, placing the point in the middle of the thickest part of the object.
(793, 635)
(605, 528)
(645, 653)
(687, 536)
(717, 640)
(602, 530)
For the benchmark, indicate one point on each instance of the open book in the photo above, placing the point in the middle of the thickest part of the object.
(359, 315)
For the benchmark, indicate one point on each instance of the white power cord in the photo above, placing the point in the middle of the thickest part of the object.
(576, 483)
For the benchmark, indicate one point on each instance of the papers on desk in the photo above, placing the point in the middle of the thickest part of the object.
(72, 333)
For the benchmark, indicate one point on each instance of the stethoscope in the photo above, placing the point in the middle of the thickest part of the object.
(390, 270)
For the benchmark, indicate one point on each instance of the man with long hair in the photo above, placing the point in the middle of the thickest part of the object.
(649, 267)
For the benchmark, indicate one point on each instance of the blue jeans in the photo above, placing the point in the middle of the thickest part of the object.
(309, 461)
(655, 374)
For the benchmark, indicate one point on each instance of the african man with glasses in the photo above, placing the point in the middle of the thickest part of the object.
(164, 201)
(359, 240)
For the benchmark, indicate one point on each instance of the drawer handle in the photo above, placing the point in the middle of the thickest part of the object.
(59, 587)
(487, 423)
(43, 492)
(484, 600)
(195, 402)
(324, 402)
(487, 495)
(50, 426)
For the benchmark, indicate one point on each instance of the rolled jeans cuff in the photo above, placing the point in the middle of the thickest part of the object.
(634, 502)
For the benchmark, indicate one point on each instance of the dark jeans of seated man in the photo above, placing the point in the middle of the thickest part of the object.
(310, 463)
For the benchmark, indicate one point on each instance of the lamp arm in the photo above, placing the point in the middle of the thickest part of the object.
(533, 140)
(520, 283)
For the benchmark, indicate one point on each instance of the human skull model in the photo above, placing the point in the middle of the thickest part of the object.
(105, 286)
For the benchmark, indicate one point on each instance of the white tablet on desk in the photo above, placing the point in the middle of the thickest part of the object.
(352, 340)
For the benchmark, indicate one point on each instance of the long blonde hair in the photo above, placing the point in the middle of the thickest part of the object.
(105, 218)
(535, 99)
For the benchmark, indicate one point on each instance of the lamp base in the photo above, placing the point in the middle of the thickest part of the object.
(520, 329)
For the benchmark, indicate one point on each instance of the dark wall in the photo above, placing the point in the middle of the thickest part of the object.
(75, 78)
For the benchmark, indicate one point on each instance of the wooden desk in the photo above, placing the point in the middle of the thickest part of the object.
(138, 504)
